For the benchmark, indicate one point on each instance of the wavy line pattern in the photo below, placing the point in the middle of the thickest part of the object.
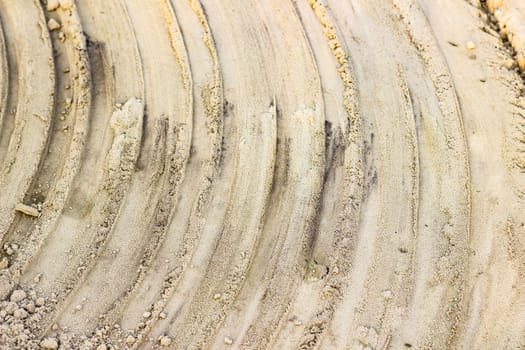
(299, 174)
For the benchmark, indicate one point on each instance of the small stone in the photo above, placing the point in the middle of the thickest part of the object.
(130, 339)
(27, 209)
(217, 296)
(54, 327)
(102, 347)
(163, 315)
(40, 301)
(78, 307)
(49, 343)
(10, 307)
(470, 45)
(52, 24)
(20, 313)
(228, 341)
(30, 307)
(18, 295)
(165, 341)
(4, 263)
(37, 278)
(387, 294)
(146, 314)
(52, 5)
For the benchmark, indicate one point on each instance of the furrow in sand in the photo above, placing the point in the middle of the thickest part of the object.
(217, 237)
(10, 82)
(388, 287)
(497, 265)
(32, 120)
(4, 84)
(381, 277)
(442, 258)
(167, 144)
(332, 256)
(227, 268)
(70, 128)
(80, 240)
(154, 287)
(289, 255)
(252, 320)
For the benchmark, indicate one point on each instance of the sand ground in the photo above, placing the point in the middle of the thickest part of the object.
(277, 174)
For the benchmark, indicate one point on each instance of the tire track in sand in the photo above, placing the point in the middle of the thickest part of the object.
(4, 83)
(166, 267)
(169, 145)
(70, 129)
(443, 277)
(84, 238)
(10, 75)
(253, 319)
(325, 281)
(32, 120)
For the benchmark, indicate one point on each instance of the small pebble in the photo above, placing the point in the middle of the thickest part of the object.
(4, 263)
(130, 339)
(52, 24)
(387, 294)
(228, 341)
(146, 314)
(470, 45)
(27, 209)
(49, 343)
(52, 5)
(40, 301)
(30, 307)
(165, 341)
(18, 295)
(20, 314)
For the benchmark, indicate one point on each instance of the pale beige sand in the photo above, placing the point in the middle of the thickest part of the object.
(277, 174)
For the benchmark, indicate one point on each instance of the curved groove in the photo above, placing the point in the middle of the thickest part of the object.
(76, 110)
(119, 163)
(4, 79)
(33, 114)
(166, 266)
(341, 252)
(233, 254)
(159, 183)
(448, 280)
